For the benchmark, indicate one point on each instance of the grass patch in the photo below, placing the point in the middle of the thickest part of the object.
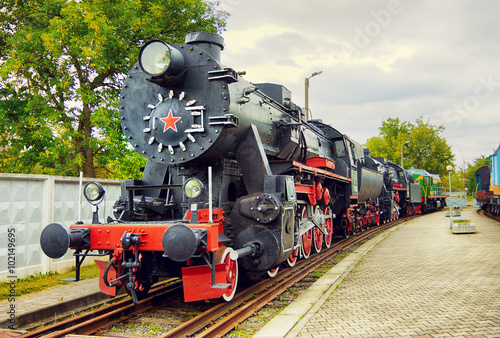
(41, 282)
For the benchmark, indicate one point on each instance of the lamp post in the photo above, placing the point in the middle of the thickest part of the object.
(449, 167)
(306, 99)
(402, 144)
(465, 186)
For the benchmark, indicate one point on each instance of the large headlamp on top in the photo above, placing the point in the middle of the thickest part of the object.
(163, 62)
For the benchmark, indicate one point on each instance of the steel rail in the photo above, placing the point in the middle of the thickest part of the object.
(246, 302)
(90, 322)
(246, 310)
(487, 214)
(246, 296)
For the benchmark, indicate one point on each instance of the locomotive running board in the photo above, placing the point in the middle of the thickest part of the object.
(197, 282)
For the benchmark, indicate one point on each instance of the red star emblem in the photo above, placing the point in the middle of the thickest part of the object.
(170, 121)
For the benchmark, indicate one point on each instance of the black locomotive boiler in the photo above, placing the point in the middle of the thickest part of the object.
(236, 182)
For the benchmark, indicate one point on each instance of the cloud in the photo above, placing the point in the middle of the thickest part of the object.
(380, 59)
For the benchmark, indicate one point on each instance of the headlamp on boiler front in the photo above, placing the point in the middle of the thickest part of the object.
(162, 61)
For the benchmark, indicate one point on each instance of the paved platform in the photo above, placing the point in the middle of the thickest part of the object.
(416, 280)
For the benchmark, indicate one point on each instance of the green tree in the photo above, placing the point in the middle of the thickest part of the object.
(393, 133)
(27, 135)
(422, 143)
(470, 172)
(62, 67)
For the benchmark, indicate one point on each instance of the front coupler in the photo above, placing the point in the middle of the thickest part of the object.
(131, 268)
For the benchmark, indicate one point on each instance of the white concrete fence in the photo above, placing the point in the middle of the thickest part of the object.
(30, 202)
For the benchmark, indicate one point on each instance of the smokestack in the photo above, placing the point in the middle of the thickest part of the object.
(212, 43)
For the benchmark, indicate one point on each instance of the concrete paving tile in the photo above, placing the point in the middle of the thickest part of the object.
(420, 281)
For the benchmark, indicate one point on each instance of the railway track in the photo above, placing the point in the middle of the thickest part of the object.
(250, 300)
(91, 322)
(487, 214)
(219, 319)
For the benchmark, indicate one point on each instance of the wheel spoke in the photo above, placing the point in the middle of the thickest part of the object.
(318, 234)
(318, 239)
(231, 274)
(328, 227)
(293, 258)
(273, 272)
(307, 241)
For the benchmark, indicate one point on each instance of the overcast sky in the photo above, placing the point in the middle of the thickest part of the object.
(439, 59)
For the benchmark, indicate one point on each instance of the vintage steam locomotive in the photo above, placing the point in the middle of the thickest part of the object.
(236, 182)
(488, 185)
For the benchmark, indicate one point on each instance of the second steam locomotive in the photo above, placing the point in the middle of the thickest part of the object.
(237, 183)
